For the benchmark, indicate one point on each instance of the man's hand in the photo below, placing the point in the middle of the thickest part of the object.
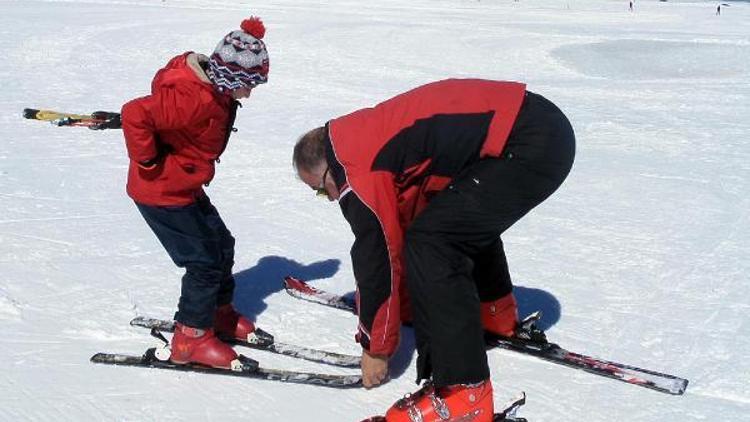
(374, 369)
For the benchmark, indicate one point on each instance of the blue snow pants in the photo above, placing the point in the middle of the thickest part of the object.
(196, 239)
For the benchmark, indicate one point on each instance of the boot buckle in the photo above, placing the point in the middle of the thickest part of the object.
(163, 353)
(236, 365)
(441, 409)
(414, 414)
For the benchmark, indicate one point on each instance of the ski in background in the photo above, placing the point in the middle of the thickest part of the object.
(262, 340)
(528, 340)
(243, 366)
(301, 290)
(97, 120)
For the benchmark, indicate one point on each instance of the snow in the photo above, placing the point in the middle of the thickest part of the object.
(641, 257)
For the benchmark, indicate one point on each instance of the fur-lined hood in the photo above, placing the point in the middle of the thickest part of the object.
(194, 61)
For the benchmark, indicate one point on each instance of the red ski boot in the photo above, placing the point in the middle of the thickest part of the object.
(193, 345)
(500, 316)
(229, 324)
(459, 402)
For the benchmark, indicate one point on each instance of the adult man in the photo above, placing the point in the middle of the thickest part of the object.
(173, 137)
(428, 181)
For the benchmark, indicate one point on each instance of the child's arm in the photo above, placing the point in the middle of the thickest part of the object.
(140, 132)
(170, 108)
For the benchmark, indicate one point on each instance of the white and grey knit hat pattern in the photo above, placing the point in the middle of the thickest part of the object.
(240, 60)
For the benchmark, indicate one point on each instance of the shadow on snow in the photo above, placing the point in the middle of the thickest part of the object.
(255, 284)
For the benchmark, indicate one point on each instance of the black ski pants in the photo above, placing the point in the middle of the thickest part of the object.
(453, 251)
(196, 239)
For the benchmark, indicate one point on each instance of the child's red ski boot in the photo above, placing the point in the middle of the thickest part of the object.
(229, 324)
(194, 345)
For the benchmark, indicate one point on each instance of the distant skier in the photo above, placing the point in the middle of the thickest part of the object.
(630, 7)
(718, 10)
(173, 137)
(428, 181)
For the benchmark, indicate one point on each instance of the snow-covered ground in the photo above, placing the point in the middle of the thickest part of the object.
(641, 257)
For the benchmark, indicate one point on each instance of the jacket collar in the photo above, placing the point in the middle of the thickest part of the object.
(193, 61)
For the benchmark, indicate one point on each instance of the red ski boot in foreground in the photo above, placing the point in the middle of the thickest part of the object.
(193, 345)
(229, 324)
(465, 403)
(500, 316)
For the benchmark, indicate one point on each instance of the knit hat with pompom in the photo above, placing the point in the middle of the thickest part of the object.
(240, 60)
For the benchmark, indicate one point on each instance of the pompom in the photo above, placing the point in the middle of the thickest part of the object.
(254, 26)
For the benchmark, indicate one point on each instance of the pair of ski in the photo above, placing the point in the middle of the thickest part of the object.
(551, 352)
(532, 345)
(246, 367)
(544, 350)
(97, 120)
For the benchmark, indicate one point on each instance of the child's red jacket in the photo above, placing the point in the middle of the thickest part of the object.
(183, 126)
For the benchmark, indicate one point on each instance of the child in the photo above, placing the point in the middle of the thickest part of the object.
(173, 138)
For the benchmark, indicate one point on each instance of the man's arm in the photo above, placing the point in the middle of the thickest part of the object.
(372, 271)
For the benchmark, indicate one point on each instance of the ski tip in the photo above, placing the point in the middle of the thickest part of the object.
(292, 283)
(680, 386)
(30, 113)
(288, 280)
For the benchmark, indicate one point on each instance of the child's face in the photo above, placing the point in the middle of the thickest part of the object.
(241, 93)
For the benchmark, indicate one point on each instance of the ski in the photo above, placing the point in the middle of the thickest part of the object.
(301, 290)
(95, 120)
(551, 352)
(537, 347)
(262, 340)
(243, 367)
(507, 414)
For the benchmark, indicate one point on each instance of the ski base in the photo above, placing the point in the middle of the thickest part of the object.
(248, 368)
(262, 340)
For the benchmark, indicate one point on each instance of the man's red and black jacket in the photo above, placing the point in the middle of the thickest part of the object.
(389, 160)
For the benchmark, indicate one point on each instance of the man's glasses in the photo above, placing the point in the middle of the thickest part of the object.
(321, 190)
